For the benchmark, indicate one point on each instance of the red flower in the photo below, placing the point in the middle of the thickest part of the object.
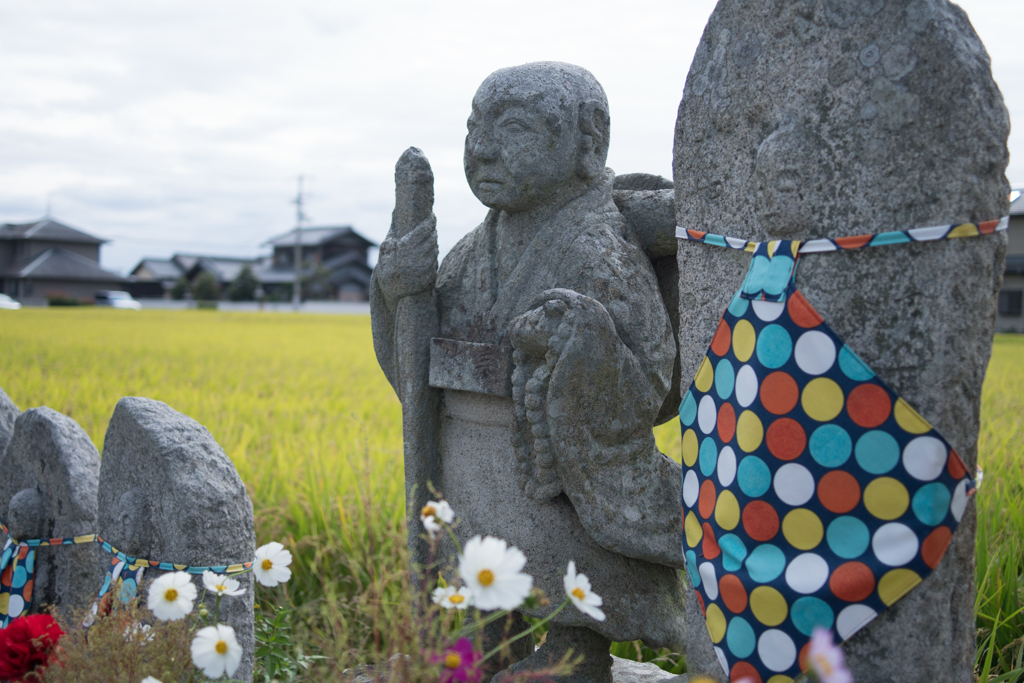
(458, 663)
(26, 646)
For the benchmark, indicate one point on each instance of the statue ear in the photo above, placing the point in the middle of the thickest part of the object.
(594, 128)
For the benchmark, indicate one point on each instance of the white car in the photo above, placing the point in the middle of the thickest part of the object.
(8, 303)
(116, 300)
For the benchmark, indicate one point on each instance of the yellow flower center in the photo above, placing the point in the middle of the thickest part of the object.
(171, 594)
(221, 647)
(823, 665)
(221, 587)
(267, 565)
(578, 593)
(456, 599)
(452, 660)
(428, 511)
(486, 577)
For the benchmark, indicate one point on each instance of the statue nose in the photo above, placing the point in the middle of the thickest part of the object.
(481, 145)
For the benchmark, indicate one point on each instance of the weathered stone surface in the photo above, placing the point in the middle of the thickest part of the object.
(168, 493)
(836, 118)
(628, 671)
(567, 467)
(9, 412)
(48, 490)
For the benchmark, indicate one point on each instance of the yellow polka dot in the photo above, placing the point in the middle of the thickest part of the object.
(690, 447)
(768, 605)
(779, 678)
(772, 246)
(743, 338)
(909, 419)
(727, 511)
(965, 230)
(5, 599)
(716, 623)
(705, 376)
(886, 498)
(822, 399)
(693, 531)
(897, 583)
(803, 529)
(749, 431)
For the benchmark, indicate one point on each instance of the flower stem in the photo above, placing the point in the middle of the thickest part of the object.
(479, 623)
(526, 632)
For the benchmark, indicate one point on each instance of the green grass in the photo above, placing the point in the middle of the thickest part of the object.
(301, 407)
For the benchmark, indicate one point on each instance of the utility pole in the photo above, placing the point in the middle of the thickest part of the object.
(299, 218)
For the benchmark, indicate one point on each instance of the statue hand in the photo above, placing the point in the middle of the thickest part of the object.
(408, 265)
(553, 318)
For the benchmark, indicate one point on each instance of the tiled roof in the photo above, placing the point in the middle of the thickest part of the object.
(312, 237)
(160, 269)
(47, 230)
(1017, 203)
(60, 264)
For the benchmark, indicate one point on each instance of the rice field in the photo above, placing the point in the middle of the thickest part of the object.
(302, 409)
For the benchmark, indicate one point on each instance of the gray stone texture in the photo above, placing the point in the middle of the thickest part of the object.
(628, 671)
(9, 412)
(566, 466)
(168, 493)
(48, 490)
(835, 118)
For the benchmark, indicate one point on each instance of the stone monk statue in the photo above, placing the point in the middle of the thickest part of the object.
(534, 363)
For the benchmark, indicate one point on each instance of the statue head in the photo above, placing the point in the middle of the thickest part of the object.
(791, 176)
(538, 133)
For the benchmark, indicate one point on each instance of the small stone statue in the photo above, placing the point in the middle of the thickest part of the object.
(169, 494)
(49, 475)
(532, 406)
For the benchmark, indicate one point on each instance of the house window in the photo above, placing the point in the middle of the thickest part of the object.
(1010, 301)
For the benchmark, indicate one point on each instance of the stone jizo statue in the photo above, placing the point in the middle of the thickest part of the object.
(534, 363)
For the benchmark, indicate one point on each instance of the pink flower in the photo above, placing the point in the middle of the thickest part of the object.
(458, 663)
(826, 658)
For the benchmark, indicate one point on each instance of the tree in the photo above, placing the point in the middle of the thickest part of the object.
(244, 286)
(180, 288)
(206, 288)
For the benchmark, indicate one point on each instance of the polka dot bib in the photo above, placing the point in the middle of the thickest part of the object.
(813, 496)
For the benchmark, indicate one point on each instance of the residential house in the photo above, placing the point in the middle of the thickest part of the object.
(46, 258)
(1011, 296)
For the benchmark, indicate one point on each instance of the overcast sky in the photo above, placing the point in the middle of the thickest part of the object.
(181, 125)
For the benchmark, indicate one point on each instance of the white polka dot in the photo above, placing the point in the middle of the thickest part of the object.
(925, 457)
(708, 580)
(794, 484)
(815, 352)
(707, 414)
(807, 573)
(721, 659)
(726, 466)
(960, 498)
(776, 649)
(746, 386)
(768, 310)
(15, 606)
(894, 544)
(853, 619)
(691, 488)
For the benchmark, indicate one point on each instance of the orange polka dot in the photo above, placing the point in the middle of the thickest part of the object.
(801, 311)
(723, 339)
(706, 501)
(734, 595)
(710, 545)
(839, 492)
(852, 582)
(934, 546)
(760, 520)
(23, 552)
(779, 393)
(804, 657)
(27, 588)
(726, 422)
(854, 241)
(695, 234)
(741, 670)
(868, 405)
(957, 468)
(786, 439)
(700, 600)
(987, 227)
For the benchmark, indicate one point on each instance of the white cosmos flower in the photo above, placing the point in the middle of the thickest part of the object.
(150, 679)
(171, 596)
(220, 584)
(271, 565)
(435, 512)
(216, 651)
(491, 570)
(577, 588)
(450, 598)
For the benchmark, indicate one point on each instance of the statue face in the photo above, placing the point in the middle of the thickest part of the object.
(521, 148)
(788, 177)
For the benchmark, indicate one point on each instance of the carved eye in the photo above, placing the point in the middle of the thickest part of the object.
(515, 125)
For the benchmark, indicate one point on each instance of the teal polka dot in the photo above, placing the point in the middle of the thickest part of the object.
(688, 409)
(765, 563)
(740, 638)
(20, 577)
(753, 476)
(738, 306)
(774, 346)
(691, 568)
(30, 561)
(877, 452)
(733, 552)
(852, 366)
(777, 278)
(830, 445)
(708, 456)
(754, 281)
(810, 613)
(725, 379)
(931, 503)
(848, 537)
